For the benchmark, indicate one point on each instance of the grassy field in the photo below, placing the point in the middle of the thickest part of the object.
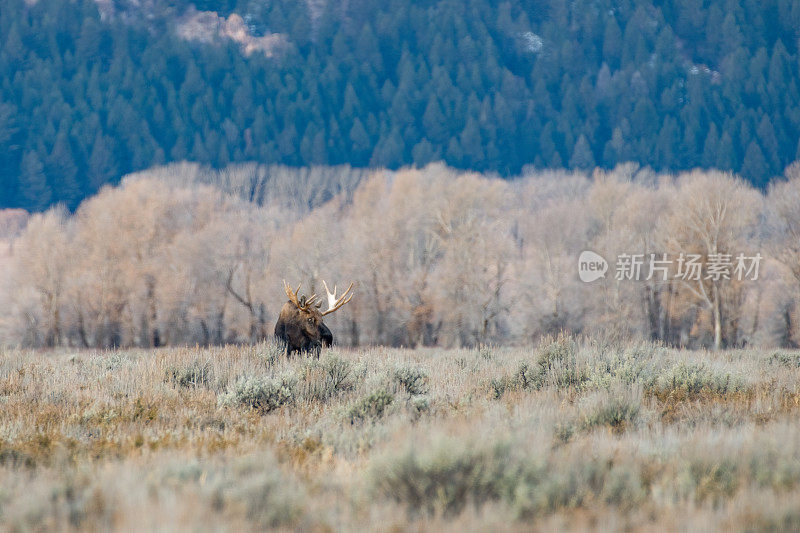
(570, 433)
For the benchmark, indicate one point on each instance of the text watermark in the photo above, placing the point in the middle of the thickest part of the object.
(664, 267)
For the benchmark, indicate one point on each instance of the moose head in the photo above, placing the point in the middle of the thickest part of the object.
(300, 323)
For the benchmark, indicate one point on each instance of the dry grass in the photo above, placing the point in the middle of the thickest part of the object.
(571, 433)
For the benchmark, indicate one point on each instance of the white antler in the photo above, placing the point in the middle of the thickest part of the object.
(335, 303)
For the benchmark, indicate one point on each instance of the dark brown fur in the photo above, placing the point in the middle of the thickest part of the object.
(302, 329)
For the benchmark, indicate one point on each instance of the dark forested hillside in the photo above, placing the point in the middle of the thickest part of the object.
(482, 85)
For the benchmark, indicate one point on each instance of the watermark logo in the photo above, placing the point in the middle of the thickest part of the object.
(662, 267)
(591, 266)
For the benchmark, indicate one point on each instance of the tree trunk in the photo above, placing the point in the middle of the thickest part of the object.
(154, 336)
(354, 336)
(262, 322)
(82, 330)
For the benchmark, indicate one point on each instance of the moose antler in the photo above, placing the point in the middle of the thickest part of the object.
(303, 303)
(336, 303)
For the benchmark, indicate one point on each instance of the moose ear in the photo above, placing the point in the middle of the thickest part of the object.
(319, 305)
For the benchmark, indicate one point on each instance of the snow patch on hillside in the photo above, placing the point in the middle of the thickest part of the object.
(192, 25)
(208, 26)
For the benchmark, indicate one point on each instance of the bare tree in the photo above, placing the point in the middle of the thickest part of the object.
(551, 227)
(476, 245)
(713, 215)
(186, 254)
(42, 255)
(782, 235)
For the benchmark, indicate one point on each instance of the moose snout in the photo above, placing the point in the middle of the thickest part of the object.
(326, 335)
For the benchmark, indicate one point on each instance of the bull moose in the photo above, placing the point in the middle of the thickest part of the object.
(300, 323)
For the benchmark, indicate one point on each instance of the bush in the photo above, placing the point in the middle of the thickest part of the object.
(616, 411)
(529, 377)
(270, 350)
(420, 404)
(372, 406)
(193, 375)
(713, 481)
(441, 478)
(578, 483)
(786, 519)
(321, 380)
(445, 476)
(526, 377)
(499, 386)
(258, 487)
(411, 378)
(557, 364)
(563, 432)
(623, 487)
(785, 359)
(628, 366)
(690, 380)
(340, 372)
(263, 394)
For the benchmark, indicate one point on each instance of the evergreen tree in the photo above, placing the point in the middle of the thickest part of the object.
(455, 154)
(361, 144)
(424, 153)
(612, 43)
(667, 144)
(726, 155)
(319, 150)
(769, 144)
(710, 147)
(433, 120)
(62, 171)
(582, 157)
(389, 151)
(754, 166)
(485, 87)
(102, 166)
(34, 192)
(470, 140)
